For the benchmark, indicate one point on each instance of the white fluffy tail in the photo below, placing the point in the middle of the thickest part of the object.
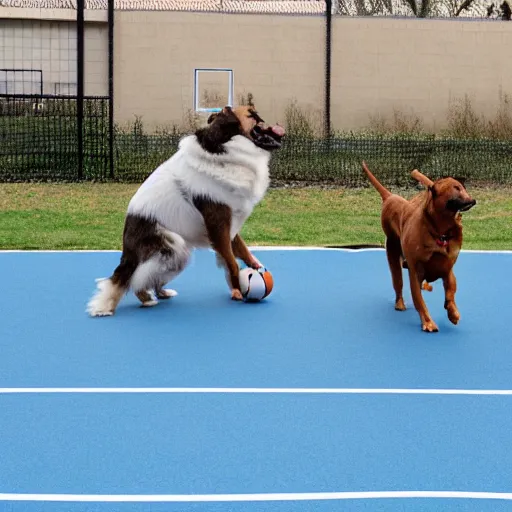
(106, 298)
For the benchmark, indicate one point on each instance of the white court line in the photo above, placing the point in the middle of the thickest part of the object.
(312, 391)
(252, 248)
(300, 496)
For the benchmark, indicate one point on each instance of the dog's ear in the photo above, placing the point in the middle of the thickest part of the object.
(225, 116)
(432, 190)
(221, 128)
(229, 117)
(461, 180)
(212, 117)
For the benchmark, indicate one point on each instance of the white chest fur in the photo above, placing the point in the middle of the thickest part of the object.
(238, 178)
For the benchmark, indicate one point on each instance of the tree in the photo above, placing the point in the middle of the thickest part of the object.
(504, 12)
(421, 8)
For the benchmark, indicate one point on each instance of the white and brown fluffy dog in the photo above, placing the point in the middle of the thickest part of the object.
(199, 198)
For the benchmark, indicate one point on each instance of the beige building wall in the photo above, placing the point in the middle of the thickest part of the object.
(378, 64)
(50, 45)
(276, 58)
(416, 66)
(96, 59)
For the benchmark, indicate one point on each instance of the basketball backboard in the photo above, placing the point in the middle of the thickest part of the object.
(213, 89)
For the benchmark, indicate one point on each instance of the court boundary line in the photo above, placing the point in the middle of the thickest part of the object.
(269, 248)
(306, 496)
(276, 391)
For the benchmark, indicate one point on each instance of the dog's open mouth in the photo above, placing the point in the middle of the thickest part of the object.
(456, 205)
(267, 138)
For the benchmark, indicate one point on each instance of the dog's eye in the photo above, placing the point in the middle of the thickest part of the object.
(256, 117)
(457, 188)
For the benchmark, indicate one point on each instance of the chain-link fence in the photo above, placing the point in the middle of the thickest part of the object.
(55, 122)
(337, 161)
(39, 138)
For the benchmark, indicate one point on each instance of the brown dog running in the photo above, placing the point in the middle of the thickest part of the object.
(426, 231)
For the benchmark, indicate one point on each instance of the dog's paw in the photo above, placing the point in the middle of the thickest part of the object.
(426, 286)
(453, 312)
(400, 305)
(255, 263)
(453, 315)
(149, 304)
(166, 293)
(429, 326)
(101, 304)
(236, 295)
(99, 312)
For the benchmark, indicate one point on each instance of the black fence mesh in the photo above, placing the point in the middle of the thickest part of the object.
(338, 160)
(39, 138)
(38, 142)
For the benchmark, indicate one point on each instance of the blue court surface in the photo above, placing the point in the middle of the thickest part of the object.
(320, 398)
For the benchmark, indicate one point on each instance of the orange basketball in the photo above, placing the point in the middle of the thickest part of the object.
(255, 285)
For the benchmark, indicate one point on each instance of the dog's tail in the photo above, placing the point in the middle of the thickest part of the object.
(106, 298)
(421, 178)
(383, 191)
(110, 290)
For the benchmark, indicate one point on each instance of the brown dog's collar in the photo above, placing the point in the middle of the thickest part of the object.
(441, 240)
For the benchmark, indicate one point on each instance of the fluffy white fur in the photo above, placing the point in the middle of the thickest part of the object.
(102, 302)
(238, 178)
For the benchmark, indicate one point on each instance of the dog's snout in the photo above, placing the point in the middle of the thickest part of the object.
(467, 205)
(460, 204)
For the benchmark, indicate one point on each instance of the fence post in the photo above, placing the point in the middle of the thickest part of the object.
(80, 84)
(328, 42)
(111, 85)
